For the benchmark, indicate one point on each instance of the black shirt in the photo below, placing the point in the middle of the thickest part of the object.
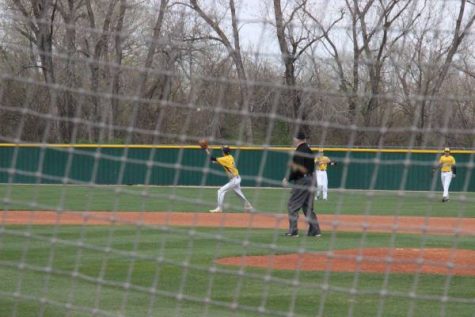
(303, 156)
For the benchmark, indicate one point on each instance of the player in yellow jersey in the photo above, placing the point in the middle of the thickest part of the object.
(447, 172)
(321, 165)
(227, 162)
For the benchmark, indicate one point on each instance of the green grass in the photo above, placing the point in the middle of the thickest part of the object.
(138, 198)
(173, 261)
(179, 261)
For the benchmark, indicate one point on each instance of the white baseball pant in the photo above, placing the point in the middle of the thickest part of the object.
(322, 184)
(446, 178)
(233, 184)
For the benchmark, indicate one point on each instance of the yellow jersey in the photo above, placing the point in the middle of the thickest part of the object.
(227, 162)
(322, 162)
(446, 163)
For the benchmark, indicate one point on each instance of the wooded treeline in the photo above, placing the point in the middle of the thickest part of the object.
(348, 72)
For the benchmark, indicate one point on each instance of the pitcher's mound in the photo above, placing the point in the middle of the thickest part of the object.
(433, 261)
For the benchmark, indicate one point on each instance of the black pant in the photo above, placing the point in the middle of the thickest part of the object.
(302, 196)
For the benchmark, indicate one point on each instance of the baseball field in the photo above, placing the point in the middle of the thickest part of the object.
(165, 256)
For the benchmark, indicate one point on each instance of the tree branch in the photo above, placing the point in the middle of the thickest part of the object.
(212, 24)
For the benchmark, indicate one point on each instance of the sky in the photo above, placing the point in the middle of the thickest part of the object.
(258, 34)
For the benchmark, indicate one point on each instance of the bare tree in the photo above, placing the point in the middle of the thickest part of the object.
(293, 41)
(100, 42)
(396, 68)
(346, 85)
(234, 49)
(460, 32)
(39, 17)
(376, 28)
(152, 48)
(115, 90)
(69, 11)
(428, 61)
(160, 81)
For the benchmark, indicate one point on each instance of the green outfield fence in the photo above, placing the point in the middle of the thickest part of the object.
(387, 169)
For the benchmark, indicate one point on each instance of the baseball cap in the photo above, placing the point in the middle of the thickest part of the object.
(300, 135)
(447, 149)
(226, 149)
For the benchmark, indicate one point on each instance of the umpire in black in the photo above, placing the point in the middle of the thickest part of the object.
(302, 181)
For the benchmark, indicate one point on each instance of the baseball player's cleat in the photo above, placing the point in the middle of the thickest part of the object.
(445, 199)
(215, 210)
(248, 208)
(318, 235)
(292, 235)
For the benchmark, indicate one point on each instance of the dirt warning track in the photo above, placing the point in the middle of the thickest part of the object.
(377, 260)
(329, 223)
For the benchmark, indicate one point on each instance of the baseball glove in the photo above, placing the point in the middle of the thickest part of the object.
(203, 143)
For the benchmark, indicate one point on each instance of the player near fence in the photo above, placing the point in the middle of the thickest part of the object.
(447, 172)
(302, 181)
(321, 165)
(234, 184)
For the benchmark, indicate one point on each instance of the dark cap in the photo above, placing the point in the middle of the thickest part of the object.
(226, 149)
(300, 135)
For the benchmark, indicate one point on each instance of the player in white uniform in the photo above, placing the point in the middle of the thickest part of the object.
(321, 165)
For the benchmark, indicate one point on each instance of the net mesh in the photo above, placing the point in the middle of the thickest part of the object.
(105, 192)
